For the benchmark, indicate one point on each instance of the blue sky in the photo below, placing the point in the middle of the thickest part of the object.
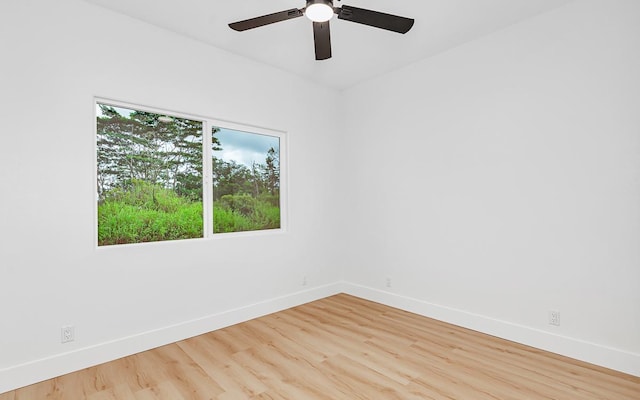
(243, 147)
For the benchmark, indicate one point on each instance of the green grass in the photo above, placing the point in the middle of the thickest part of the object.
(120, 223)
(264, 216)
(148, 213)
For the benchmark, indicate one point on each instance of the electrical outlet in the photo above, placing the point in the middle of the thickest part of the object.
(554, 317)
(389, 282)
(304, 280)
(68, 334)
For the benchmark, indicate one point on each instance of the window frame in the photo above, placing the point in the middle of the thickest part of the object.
(208, 123)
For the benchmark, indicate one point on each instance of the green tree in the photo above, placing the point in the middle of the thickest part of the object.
(230, 177)
(145, 147)
(272, 172)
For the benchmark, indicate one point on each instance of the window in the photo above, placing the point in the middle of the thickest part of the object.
(159, 178)
(246, 181)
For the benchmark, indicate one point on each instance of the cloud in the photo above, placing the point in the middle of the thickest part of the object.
(245, 147)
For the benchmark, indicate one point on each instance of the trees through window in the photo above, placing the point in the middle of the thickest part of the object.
(159, 178)
(246, 181)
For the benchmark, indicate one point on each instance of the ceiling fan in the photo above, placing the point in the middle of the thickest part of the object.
(320, 12)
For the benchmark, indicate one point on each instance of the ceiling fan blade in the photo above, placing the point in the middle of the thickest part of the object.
(322, 39)
(266, 20)
(376, 19)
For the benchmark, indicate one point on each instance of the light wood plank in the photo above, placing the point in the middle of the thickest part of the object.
(341, 347)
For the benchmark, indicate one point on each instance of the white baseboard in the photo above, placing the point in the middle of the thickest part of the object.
(46, 368)
(593, 353)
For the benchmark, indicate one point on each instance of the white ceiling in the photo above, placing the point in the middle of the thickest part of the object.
(359, 52)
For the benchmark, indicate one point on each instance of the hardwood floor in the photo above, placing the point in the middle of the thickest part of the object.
(340, 347)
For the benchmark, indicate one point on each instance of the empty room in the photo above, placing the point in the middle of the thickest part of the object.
(292, 199)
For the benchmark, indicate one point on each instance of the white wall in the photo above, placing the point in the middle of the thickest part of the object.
(501, 179)
(56, 56)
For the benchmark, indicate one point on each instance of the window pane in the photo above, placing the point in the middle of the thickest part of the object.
(246, 181)
(149, 176)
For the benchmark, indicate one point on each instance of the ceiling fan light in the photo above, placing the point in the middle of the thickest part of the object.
(319, 11)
